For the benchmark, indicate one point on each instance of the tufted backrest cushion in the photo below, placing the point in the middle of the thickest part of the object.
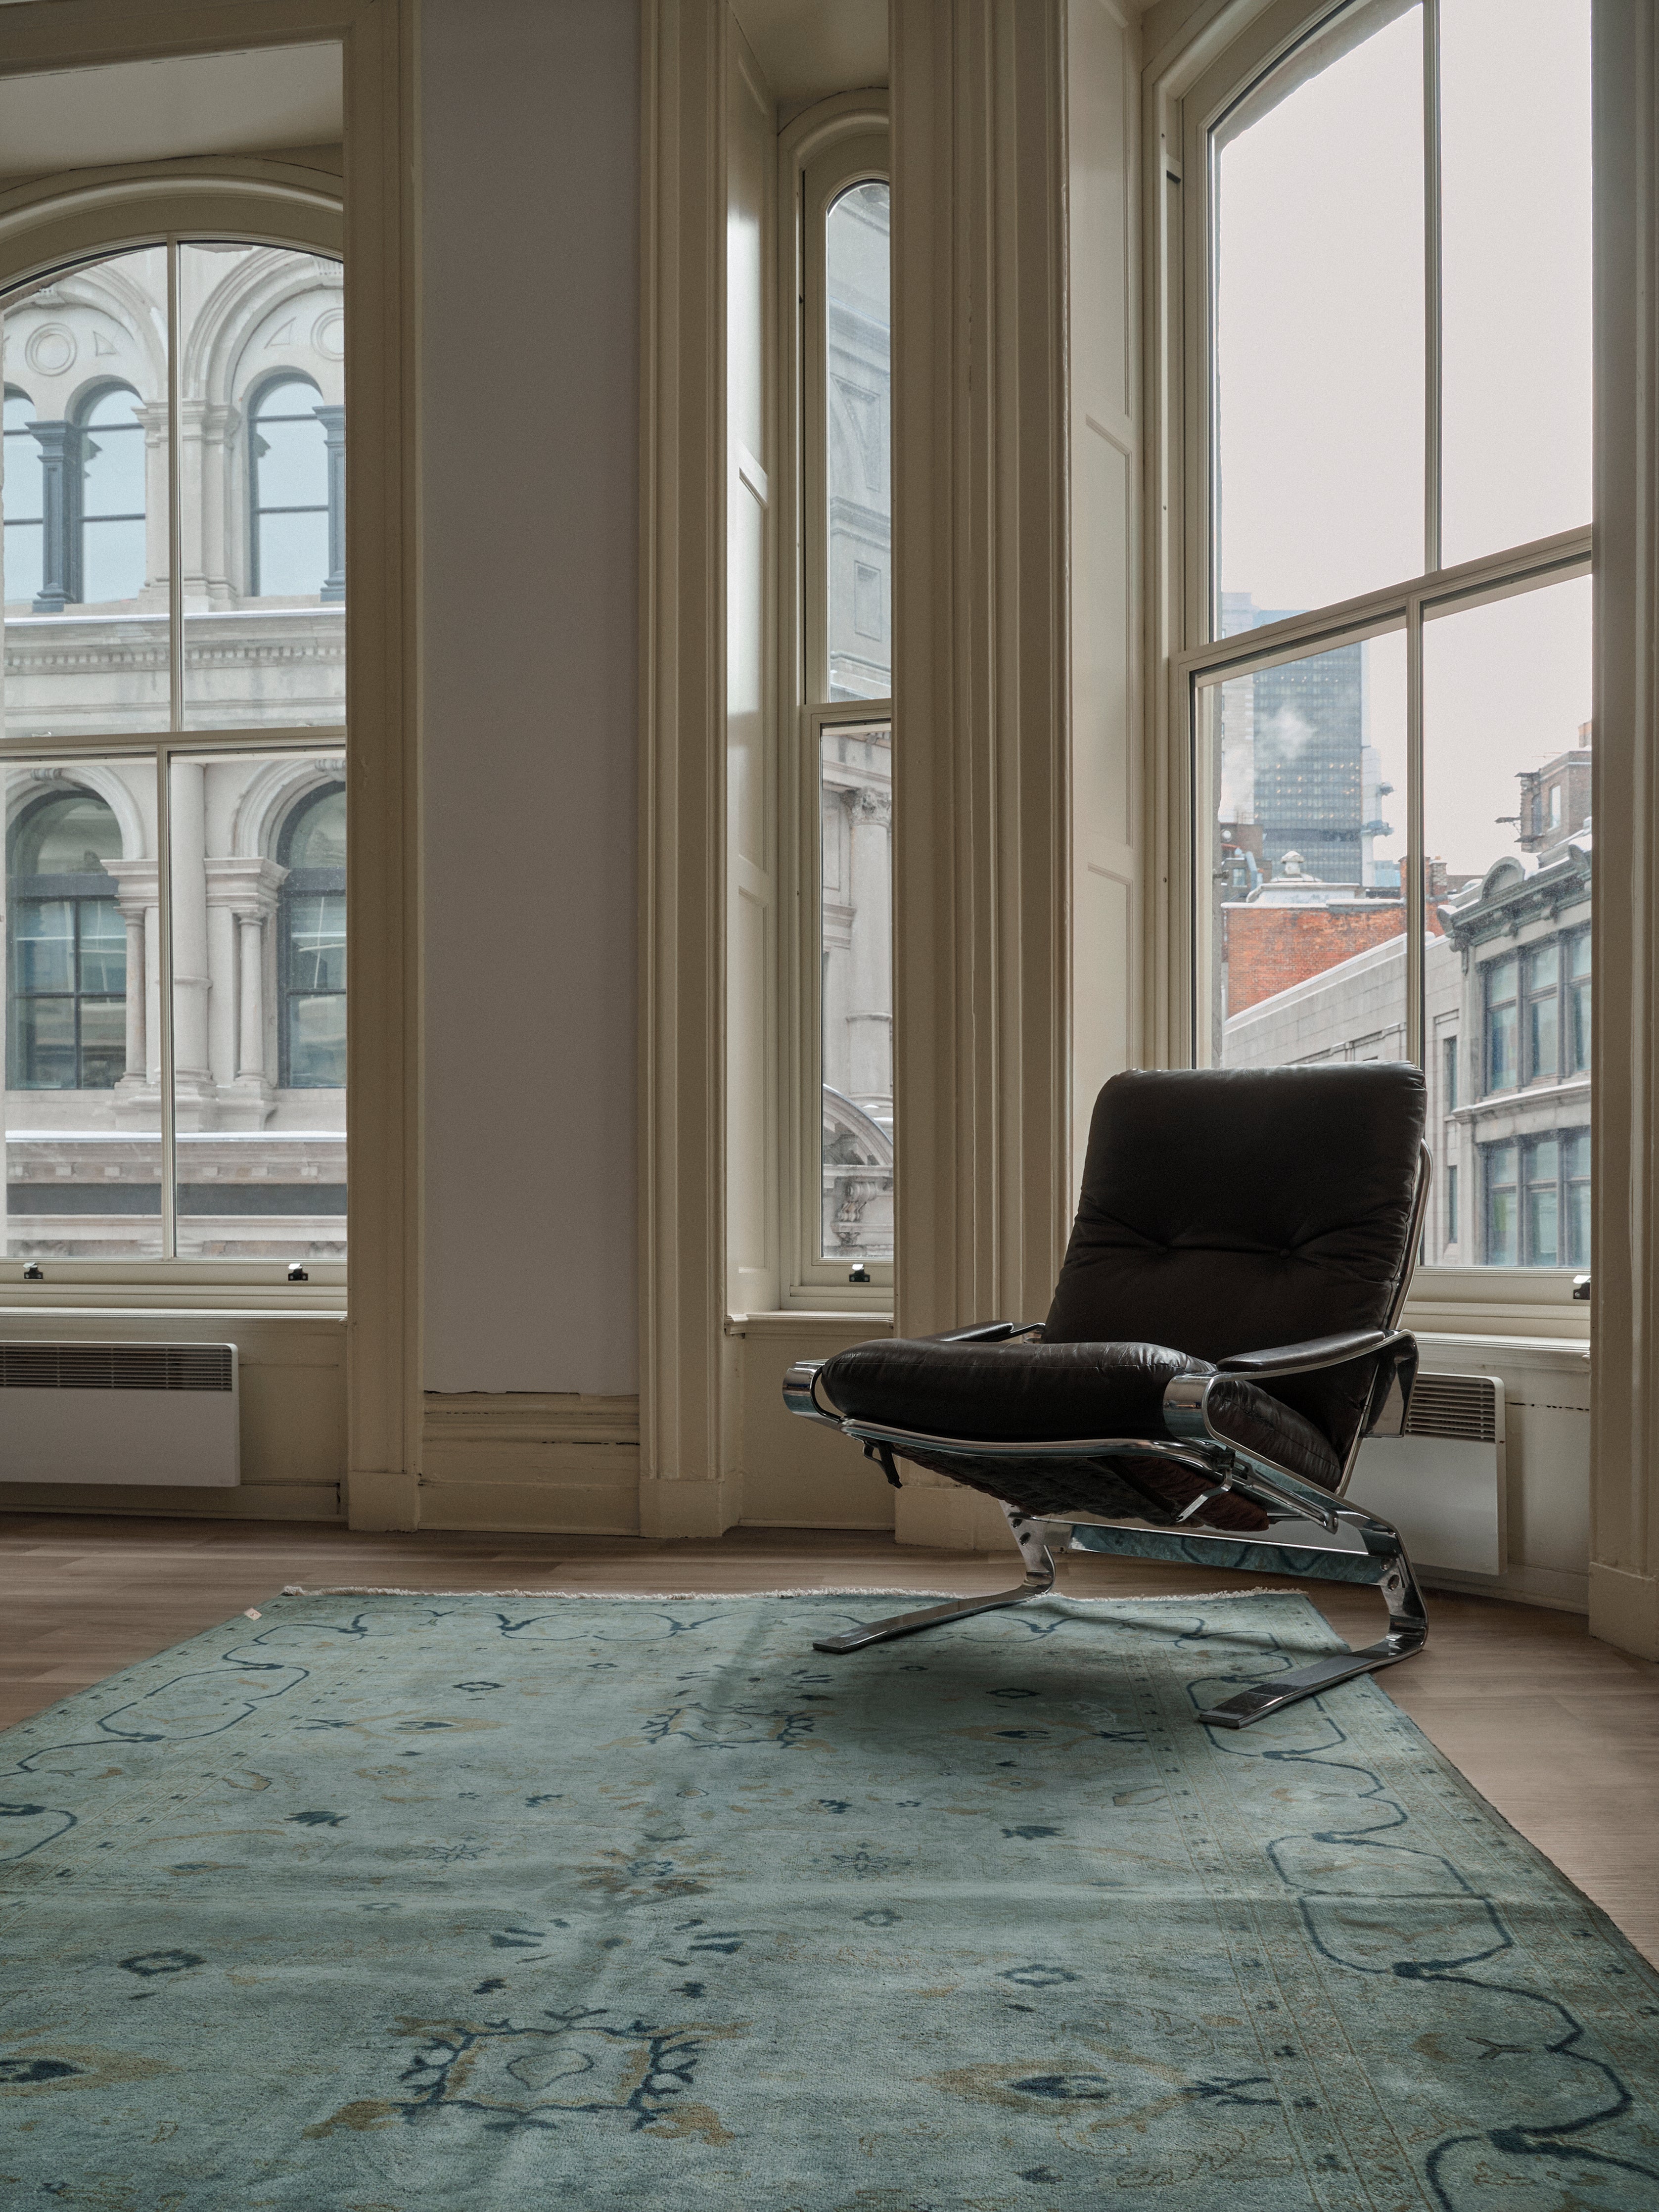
(1228, 1209)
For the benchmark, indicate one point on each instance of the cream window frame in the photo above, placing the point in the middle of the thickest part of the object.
(171, 211)
(1196, 91)
(838, 142)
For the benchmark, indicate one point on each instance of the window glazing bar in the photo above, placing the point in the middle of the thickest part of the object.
(176, 507)
(164, 998)
(1518, 569)
(1416, 866)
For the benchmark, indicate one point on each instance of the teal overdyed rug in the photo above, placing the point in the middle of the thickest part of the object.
(380, 1903)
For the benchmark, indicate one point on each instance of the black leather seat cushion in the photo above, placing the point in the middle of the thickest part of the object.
(1024, 1393)
(1227, 1210)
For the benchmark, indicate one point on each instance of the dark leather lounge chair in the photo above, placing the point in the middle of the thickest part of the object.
(1222, 1338)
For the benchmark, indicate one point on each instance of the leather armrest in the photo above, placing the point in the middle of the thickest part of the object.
(1317, 1351)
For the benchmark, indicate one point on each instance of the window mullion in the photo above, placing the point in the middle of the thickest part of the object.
(164, 1000)
(1416, 871)
(1432, 334)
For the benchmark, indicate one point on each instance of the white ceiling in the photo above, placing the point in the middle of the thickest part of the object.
(810, 48)
(148, 111)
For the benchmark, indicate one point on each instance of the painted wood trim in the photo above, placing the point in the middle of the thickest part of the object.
(981, 704)
(1624, 1573)
(682, 833)
(383, 821)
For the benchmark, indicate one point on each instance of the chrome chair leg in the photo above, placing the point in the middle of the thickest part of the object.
(1030, 1535)
(1383, 1562)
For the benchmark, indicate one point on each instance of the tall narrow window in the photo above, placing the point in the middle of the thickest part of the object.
(844, 771)
(111, 498)
(312, 944)
(289, 465)
(1392, 745)
(68, 983)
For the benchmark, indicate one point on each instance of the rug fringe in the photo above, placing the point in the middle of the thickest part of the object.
(679, 1597)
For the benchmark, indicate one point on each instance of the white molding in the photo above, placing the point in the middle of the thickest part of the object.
(1623, 1576)
(982, 668)
(682, 829)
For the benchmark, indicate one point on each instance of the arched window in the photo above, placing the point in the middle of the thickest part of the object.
(310, 948)
(25, 514)
(109, 562)
(68, 948)
(296, 469)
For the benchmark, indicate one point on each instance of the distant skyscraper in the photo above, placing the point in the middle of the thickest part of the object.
(1306, 722)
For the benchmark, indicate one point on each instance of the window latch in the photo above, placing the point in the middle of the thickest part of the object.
(1580, 1288)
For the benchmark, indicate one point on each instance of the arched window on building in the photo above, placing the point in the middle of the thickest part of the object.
(67, 984)
(106, 521)
(25, 514)
(296, 474)
(311, 943)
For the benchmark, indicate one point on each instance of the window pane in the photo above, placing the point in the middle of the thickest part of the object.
(1514, 106)
(86, 591)
(265, 626)
(292, 554)
(291, 456)
(1506, 707)
(859, 441)
(258, 997)
(112, 458)
(1502, 1243)
(1319, 371)
(82, 1134)
(1306, 955)
(855, 936)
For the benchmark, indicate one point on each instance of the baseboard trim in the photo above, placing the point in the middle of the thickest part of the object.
(1624, 1609)
(673, 1511)
(548, 1462)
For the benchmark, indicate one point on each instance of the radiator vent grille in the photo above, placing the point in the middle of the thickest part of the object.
(116, 1366)
(1463, 1407)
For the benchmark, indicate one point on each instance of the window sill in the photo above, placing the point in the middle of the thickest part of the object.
(313, 1301)
(800, 1321)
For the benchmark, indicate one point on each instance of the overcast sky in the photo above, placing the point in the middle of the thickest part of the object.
(1321, 338)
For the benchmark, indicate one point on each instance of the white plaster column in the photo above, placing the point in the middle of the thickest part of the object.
(244, 893)
(870, 1021)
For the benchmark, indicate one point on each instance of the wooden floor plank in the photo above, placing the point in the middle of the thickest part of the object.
(1560, 1733)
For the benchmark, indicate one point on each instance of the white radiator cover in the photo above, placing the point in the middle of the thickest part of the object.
(1442, 1483)
(161, 1414)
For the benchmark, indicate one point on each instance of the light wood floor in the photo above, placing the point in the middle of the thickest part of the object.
(1559, 1732)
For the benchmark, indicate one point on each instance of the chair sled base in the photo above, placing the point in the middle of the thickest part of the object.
(1383, 1562)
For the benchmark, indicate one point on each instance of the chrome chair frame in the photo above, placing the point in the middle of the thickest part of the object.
(1194, 1443)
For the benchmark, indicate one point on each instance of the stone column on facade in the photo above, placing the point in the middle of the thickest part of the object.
(247, 890)
(333, 422)
(193, 1087)
(152, 415)
(136, 1098)
(206, 432)
(870, 1020)
(60, 484)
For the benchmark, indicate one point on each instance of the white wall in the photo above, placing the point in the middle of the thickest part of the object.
(529, 230)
